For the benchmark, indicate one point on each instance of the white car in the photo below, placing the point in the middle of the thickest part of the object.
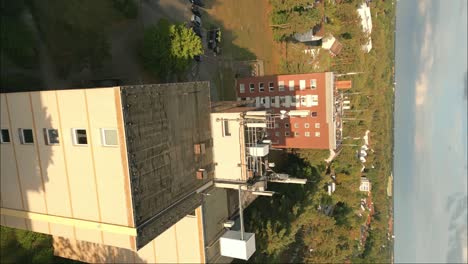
(196, 20)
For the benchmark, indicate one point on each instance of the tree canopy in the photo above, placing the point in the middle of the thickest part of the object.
(290, 17)
(169, 48)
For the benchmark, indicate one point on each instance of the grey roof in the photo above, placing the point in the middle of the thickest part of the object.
(162, 124)
(316, 31)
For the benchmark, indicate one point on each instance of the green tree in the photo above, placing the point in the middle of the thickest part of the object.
(185, 45)
(290, 17)
(169, 49)
(16, 38)
(128, 8)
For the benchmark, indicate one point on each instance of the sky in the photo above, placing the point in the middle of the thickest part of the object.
(430, 158)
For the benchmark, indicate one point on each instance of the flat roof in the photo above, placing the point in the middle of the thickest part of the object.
(163, 122)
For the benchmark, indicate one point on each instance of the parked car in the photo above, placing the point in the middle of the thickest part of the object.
(196, 20)
(197, 2)
(214, 38)
(196, 11)
(196, 29)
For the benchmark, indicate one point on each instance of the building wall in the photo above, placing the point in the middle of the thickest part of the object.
(65, 180)
(295, 132)
(182, 243)
(227, 148)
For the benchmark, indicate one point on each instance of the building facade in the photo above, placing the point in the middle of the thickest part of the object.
(313, 92)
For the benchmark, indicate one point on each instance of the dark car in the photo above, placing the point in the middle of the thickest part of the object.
(196, 11)
(197, 58)
(214, 38)
(196, 29)
(197, 2)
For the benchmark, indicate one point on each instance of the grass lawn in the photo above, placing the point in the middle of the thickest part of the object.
(20, 246)
(246, 32)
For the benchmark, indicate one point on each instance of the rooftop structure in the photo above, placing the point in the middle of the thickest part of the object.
(313, 92)
(331, 44)
(365, 185)
(314, 34)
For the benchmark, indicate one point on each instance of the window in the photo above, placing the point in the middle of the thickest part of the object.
(291, 85)
(79, 136)
(281, 86)
(306, 125)
(313, 83)
(273, 100)
(277, 133)
(263, 100)
(271, 87)
(261, 87)
(109, 137)
(282, 100)
(313, 114)
(296, 134)
(303, 100)
(243, 99)
(226, 131)
(315, 100)
(26, 136)
(51, 136)
(286, 134)
(276, 125)
(5, 136)
(317, 125)
(252, 87)
(296, 125)
(307, 134)
(286, 125)
(242, 88)
(302, 84)
(293, 99)
(317, 134)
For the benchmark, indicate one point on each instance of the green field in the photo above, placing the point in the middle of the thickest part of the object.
(246, 31)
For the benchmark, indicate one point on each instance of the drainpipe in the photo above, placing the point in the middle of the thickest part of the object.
(241, 214)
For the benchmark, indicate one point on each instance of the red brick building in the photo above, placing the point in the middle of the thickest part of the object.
(312, 91)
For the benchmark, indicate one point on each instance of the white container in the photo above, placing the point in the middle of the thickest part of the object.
(260, 150)
(232, 246)
(299, 113)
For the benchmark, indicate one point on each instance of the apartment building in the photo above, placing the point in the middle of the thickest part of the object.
(113, 174)
(314, 92)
